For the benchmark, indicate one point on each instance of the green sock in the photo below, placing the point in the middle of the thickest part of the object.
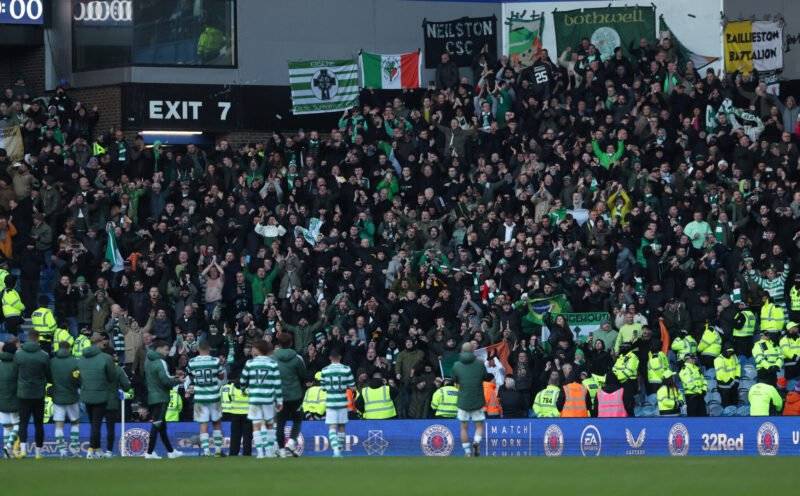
(333, 439)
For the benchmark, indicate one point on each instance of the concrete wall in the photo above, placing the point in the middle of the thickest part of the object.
(789, 10)
(272, 31)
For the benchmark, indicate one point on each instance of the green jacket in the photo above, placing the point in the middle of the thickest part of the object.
(120, 382)
(34, 371)
(8, 383)
(97, 375)
(605, 159)
(65, 380)
(303, 335)
(158, 380)
(293, 373)
(261, 287)
(468, 373)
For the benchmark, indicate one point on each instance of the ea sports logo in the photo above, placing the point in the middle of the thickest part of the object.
(678, 440)
(553, 441)
(591, 441)
(135, 442)
(436, 440)
(767, 439)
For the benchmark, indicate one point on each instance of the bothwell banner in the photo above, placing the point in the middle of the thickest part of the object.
(607, 28)
(462, 38)
(749, 45)
(678, 436)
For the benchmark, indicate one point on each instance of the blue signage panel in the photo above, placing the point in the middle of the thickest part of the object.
(765, 436)
(21, 12)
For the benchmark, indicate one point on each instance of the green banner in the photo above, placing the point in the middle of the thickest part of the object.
(582, 324)
(524, 34)
(607, 28)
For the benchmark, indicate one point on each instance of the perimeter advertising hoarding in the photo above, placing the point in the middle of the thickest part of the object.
(764, 436)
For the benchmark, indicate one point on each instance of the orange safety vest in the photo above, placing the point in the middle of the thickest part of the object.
(351, 400)
(490, 396)
(575, 401)
(610, 404)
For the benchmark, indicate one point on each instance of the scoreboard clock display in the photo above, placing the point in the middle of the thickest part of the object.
(21, 12)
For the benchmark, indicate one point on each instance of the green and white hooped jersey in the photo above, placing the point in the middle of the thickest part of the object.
(262, 379)
(336, 378)
(204, 371)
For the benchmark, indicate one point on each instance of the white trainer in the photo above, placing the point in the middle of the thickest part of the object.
(174, 454)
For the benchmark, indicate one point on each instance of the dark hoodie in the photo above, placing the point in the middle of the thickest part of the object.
(34, 371)
(97, 375)
(8, 383)
(65, 380)
(468, 373)
(293, 373)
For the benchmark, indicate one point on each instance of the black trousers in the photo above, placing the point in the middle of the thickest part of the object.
(729, 394)
(13, 324)
(158, 427)
(629, 390)
(26, 409)
(743, 345)
(97, 411)
(696, 405)
(241, 434)
(112, 416)
(291, 411)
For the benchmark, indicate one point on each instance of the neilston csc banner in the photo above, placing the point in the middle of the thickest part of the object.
(462, 38)
(753, 45)
(607, 28)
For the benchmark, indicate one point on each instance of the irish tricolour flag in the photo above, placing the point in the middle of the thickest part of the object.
(391, 71)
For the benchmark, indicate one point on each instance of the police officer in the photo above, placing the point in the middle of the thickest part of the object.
(62, 336)
(235, 405)
(710, 346)
(548, 401)
(626, 370)
(764, 400)
(728, 370)
(771, 319)
(376, 401)
(744, 327)
(790, 347)
(657, 365)
(794, 299)
(82, 342)
(44, 322)
(694, 387)
(12, 306)
(683, 345)
(314, 400)
(769, 359)
(445, 399)
(670, 398)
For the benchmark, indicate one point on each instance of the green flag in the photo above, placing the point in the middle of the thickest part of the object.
(607, 28)
(524, 36)
(320, 86)
(539, 307)
(113, 256)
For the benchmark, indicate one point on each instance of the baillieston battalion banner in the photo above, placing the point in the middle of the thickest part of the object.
(752, 45)
(462, 38)
(320, 86)
(607, 28)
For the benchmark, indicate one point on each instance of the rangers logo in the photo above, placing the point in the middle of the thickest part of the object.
(135, 442)
(554, 441)
(437, 440)
(678, 440)
(591, 441)
(767, 439)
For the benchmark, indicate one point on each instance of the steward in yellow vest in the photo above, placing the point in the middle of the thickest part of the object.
(772, 319)
(62, 336)
(769, 359)
(683, 345)
(43, 321)
(444, 400)
(547, 401)
(314, 400)
(744, 327)
(790, 347)
(376, 401)
(175, 405)
(670, 398)
(728, 370)
(12, 306)
(710, 346)
(235, 405)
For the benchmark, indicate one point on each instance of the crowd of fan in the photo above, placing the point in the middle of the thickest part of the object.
(430, 218)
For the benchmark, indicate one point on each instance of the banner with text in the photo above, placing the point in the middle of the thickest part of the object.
(752, 45)
(582, 324)
(462, 38)
(734, 436)
(607, 28)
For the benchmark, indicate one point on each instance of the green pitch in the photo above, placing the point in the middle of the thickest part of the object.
(402, 476)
